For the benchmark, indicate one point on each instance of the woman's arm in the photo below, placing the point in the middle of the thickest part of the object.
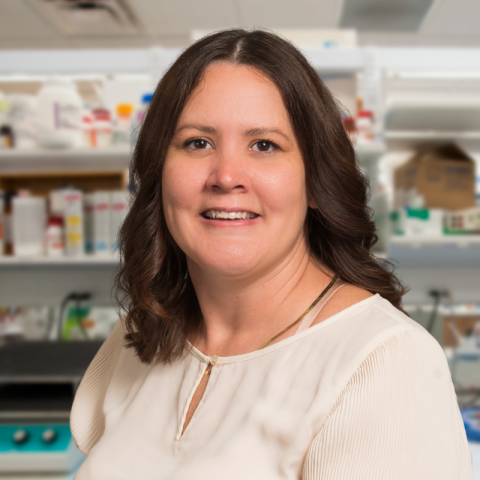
(397, 419)
(86, 417)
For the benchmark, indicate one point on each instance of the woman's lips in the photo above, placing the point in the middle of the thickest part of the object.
(230, 215)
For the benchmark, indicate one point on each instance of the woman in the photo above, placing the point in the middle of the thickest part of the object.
(239, 356)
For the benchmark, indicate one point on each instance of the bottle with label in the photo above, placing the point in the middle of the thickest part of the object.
(139, 115)
(22, 117)
(54, 238)
(73, 221)
(28, 225)
(59, 114)
(123, 120)
(6, 133)
(102, 126)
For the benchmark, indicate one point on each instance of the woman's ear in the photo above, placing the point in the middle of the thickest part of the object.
(311, 203)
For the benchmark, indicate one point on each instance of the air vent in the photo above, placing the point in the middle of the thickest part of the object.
(384, 15)
(89, 18)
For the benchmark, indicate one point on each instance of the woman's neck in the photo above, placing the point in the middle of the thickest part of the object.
(240, 314)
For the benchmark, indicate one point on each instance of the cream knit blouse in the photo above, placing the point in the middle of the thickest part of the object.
(364, 395)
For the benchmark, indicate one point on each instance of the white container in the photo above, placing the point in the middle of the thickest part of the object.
(119, 207)
(101, 223)
(103, 128)
(73, 221)
(365, 127)
(55, 238)
(59, 114)
(28, 226)
(22, 117)
(56, 202)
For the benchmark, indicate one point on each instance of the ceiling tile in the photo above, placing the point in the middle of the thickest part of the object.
(181, 16)
(453, 17)
(289, 14)
(18, 20)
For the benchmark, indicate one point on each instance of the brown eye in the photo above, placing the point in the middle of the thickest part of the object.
(200, 143)
(197, 144)
(265, 146)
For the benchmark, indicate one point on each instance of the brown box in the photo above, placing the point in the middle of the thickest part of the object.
(462, 324)
(443, 176)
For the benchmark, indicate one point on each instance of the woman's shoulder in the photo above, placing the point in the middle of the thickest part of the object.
(358, 323)
(103, 386)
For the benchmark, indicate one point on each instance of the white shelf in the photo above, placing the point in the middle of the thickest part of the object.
(458, 241)
(8, 261)
(368, 152)
(431, 135)
(47, 160)
(453, 251)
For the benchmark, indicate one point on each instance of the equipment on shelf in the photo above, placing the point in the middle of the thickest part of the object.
(38, 380)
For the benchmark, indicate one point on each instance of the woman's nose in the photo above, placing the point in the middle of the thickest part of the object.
(227, 175)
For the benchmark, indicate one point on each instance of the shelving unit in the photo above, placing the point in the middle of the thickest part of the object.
(40, 281)
(43, 160)
(84, 261)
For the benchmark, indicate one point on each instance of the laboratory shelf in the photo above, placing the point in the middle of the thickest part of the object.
(458, 251)
(369, 152)
(8, 261)
(431, 135)
(48, 160)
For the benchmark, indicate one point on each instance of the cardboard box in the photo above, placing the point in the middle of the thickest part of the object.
(442, 177)
(455, 328)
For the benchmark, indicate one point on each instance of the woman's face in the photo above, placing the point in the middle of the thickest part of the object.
(233, 182)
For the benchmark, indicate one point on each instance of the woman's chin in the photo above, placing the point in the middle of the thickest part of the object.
(230, 266)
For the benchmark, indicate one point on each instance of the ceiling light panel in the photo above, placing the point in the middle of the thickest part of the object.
(384, 15)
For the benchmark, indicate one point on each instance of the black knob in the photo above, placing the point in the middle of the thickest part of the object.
(49, 435)
(20, 436)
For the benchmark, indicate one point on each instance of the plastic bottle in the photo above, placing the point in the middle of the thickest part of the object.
(73, 220)
(139, 115)
(364, 124)
(6, 136)
(102, 125)
(22, 117)
(55, 237)
(28, 225)
(88, 132)
(59, 114)
(123, 121)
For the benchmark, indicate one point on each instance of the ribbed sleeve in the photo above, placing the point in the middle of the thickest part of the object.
(396, 419)
(86, 417)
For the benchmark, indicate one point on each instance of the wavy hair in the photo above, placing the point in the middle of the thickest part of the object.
(152, 287)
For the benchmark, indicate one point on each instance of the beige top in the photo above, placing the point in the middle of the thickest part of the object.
(365, 394)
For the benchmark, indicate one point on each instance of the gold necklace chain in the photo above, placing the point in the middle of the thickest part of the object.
(214, 359)
(306, 312)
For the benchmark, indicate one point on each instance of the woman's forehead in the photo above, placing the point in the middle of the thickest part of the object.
(231, 94)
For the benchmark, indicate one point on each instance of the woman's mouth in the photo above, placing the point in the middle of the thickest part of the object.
(223, 215)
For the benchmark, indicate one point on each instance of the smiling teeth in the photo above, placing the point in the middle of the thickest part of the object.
(229, 215)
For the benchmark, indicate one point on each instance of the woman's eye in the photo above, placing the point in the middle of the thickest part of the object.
(198, 144)
(264, 146)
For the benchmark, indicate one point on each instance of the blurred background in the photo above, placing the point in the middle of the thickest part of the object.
(76, 78)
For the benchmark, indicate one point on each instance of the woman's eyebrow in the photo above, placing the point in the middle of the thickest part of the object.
(265, 131)
(201, 128)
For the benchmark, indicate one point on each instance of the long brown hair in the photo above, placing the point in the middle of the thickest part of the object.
(153, 286)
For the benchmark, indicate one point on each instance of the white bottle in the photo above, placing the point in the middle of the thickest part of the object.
(73, 222)
(54, 237)
(59, 114)
(101, 222)
(22, 117)
(119, 207)
(28, 226)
